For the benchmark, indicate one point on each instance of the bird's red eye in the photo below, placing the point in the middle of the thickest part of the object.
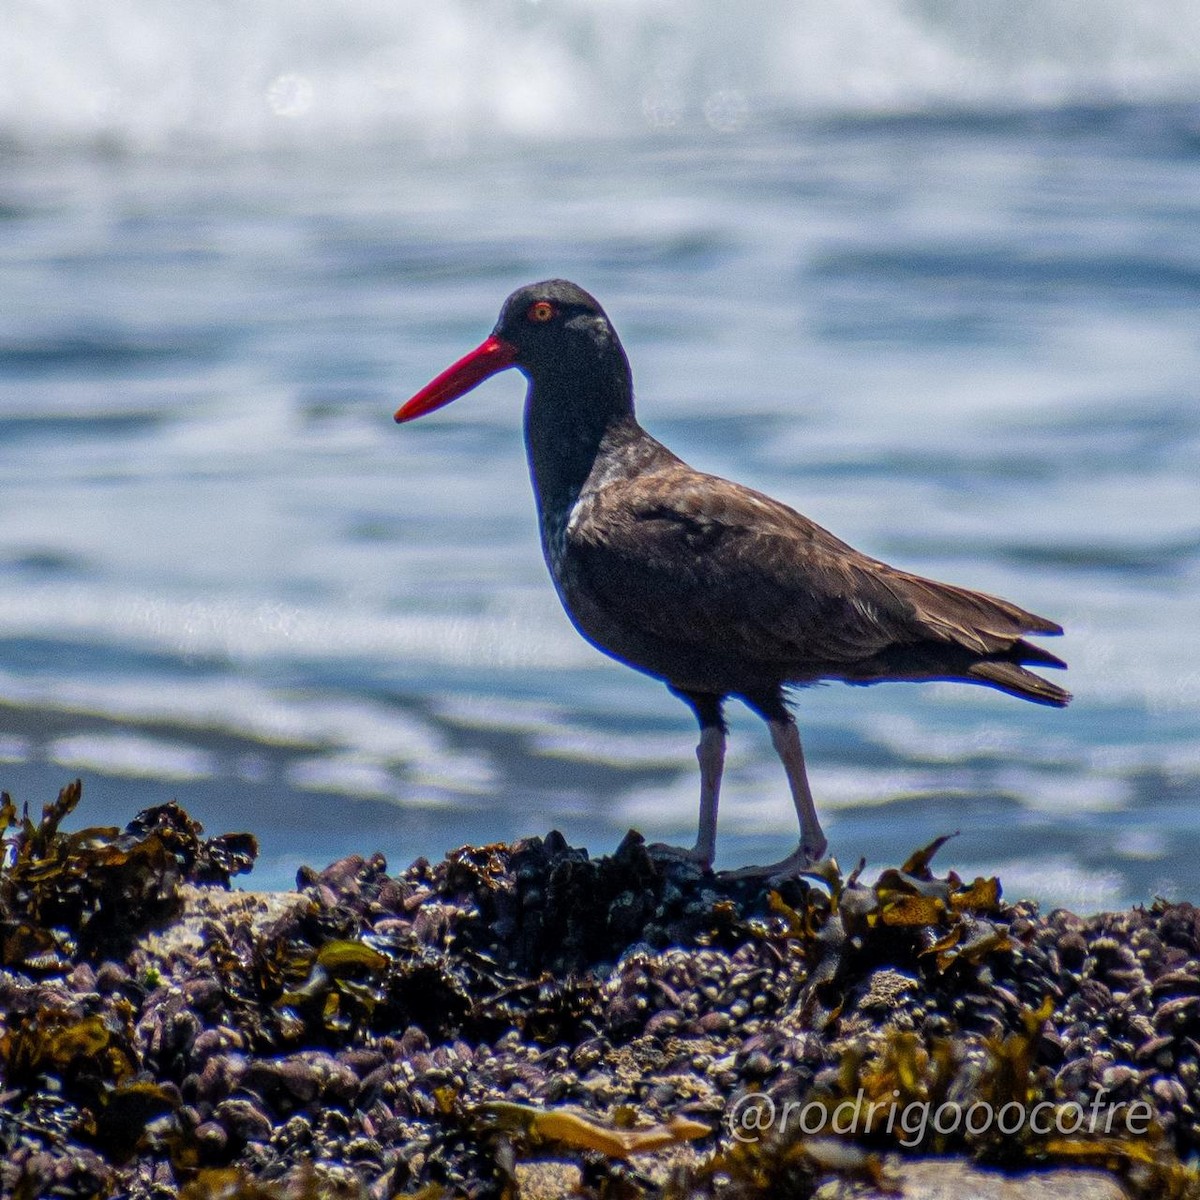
(541, 311)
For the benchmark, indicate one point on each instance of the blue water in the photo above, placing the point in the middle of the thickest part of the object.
(922, 275)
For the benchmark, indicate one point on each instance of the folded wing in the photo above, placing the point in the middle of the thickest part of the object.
(701, 561)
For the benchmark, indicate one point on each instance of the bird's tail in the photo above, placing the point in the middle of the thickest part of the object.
(990, 631)
(1011, 677)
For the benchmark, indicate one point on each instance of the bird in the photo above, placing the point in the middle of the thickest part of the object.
(716, 589)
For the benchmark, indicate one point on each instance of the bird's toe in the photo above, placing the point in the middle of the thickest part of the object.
(800, 862)
(688, 854)
(815, 848)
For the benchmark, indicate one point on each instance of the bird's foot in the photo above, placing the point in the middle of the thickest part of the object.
(689, 854)
(801, 861)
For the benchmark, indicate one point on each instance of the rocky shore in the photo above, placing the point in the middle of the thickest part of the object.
(524, 1020)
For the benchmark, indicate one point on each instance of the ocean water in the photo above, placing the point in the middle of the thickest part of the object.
(929, 272)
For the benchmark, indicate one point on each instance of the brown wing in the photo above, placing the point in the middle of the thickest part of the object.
(701, 561)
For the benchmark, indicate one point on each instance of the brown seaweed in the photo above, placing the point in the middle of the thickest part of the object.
(92, 892)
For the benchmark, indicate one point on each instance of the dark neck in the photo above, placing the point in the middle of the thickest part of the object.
(570, 418)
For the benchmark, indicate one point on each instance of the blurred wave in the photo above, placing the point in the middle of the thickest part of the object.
(179, 74)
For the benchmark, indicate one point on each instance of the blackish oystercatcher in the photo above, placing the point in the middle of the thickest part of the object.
(714, 588)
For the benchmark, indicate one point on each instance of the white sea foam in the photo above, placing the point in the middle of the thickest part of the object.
(1144, 843)
(160, 73)
(346, 774)
(501, 712)
(131, 754)
(14, 749)
(625, 750)
(242, 629)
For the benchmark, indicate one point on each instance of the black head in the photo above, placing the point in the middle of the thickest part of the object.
(554, 324)
(556, 334)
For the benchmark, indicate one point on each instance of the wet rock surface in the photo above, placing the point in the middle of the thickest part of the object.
(523, 1020)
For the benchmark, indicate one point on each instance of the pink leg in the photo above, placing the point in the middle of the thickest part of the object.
(786, 739)
(710, 753)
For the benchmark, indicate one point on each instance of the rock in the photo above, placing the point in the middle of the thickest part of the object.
(956, 1179)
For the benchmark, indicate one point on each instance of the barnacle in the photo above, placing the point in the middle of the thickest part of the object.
(442, 1030)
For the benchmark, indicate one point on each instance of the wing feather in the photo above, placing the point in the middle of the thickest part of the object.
(700, 561)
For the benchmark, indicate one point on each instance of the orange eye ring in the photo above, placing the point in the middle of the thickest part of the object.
(541, 311)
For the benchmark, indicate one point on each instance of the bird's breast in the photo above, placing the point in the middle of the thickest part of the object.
(555, 524)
